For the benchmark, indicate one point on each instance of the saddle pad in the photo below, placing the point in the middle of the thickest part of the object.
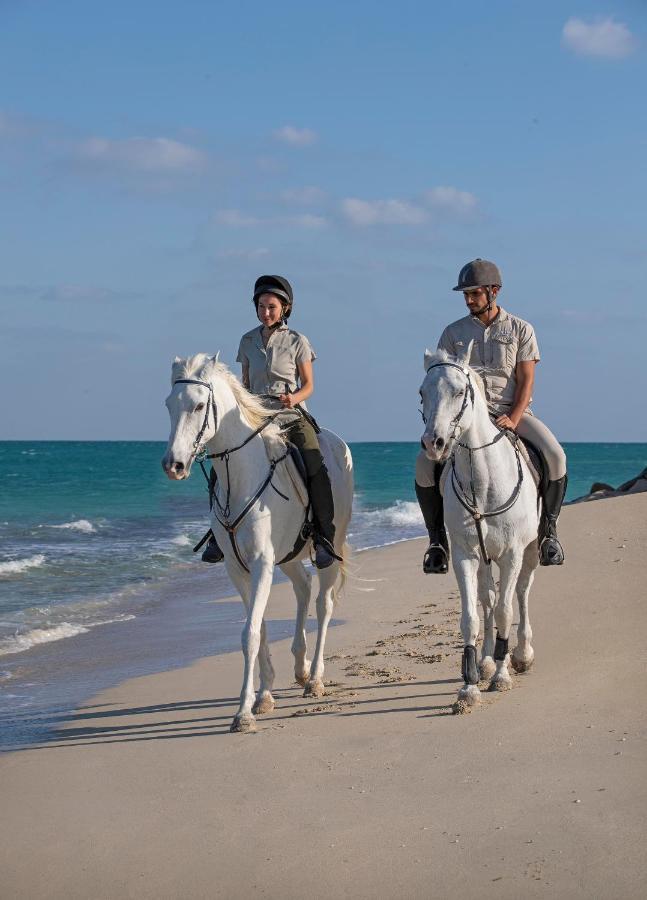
(297, 472)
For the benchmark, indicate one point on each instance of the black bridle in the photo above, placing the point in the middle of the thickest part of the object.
(459, 490)
(467, 395)
(211, 404)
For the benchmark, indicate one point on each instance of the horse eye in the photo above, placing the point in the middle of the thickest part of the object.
(199, 407)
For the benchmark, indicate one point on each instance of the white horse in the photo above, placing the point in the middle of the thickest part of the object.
(491, 513)
(258, 513)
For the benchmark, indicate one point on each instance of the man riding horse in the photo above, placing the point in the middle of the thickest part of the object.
(504, 353)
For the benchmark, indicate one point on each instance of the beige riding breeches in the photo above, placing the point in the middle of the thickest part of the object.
(530, 428)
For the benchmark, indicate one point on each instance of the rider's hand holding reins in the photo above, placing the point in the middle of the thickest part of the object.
(506, 422)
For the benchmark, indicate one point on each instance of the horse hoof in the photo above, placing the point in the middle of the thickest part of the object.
(487, 668)
(263, 705)
(301, 679)
(314, 689)
(468, 697)
(521, 665)
(243, 725)
(500, 684)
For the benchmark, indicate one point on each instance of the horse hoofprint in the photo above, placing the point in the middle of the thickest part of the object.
(208, 401)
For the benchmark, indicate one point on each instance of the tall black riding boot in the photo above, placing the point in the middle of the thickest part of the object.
(323, 513)
(436, 560)
(550, 549)
(212, 552)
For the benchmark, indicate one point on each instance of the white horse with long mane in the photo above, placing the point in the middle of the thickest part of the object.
(258, 514)
(491, 514)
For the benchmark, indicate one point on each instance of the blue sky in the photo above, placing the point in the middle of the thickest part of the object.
(155, 158)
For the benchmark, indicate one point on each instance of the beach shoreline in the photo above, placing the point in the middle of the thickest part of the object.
(376, 789)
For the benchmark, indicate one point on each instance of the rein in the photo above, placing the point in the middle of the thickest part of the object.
(199, 454)
(459, 491)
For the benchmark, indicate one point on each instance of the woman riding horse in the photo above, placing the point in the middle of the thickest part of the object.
(277, 364)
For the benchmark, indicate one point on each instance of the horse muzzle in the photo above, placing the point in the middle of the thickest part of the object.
(436, 447)
(175, 469)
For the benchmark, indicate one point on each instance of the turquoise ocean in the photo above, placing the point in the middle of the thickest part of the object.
(98, 581)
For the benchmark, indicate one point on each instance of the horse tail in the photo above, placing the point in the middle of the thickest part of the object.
(343, 568)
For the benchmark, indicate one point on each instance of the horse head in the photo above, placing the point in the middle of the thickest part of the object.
(208, 405)
(447, 396)
(193, 409)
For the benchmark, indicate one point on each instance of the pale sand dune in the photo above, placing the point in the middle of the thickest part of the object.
(380, 792)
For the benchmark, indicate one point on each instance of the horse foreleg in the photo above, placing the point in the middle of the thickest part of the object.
(325, 606)
(523, 655)
(261, 582)
(301, 582)
(466, 569)
(509, 567)
(264, 700)
(487, 596)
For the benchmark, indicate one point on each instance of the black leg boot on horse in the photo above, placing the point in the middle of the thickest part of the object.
(323, 514)
(436, 559)
(212, 552)
(551, 552)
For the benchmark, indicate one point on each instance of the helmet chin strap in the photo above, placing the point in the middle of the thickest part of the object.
(488, 308)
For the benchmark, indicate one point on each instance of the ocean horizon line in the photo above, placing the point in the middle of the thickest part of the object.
(163, 440)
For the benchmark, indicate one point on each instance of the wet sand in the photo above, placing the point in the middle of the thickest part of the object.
(375, 790)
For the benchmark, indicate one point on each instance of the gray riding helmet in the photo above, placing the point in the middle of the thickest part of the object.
(478, 273)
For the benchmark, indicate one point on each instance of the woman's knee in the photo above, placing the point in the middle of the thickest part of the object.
(425, 470)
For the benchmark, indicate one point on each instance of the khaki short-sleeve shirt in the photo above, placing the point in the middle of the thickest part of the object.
(497, 349)
(274, 369)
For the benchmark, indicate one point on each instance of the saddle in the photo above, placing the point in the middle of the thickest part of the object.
(533, 458)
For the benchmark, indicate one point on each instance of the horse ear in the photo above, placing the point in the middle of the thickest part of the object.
(466, 355)
(176, 360)
(428, 355)
(216, 357)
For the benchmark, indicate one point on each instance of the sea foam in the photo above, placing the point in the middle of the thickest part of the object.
(78, 525)
(402, 513)
(20, 642)
(16, 566)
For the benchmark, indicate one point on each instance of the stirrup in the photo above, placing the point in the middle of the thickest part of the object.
(551, 552)
(212, 552)
(324, 552)
(436, 560)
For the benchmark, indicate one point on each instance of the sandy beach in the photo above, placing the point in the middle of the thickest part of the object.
(376, 790)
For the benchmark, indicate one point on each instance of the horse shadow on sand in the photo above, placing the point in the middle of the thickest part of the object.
(211, 717)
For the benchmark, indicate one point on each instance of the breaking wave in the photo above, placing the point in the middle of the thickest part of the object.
(16, 566)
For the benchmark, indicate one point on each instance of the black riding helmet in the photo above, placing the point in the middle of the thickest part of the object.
(478, 273)
(277, 285)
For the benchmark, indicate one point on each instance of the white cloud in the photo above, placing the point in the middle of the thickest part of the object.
(603, 38)
(450, 199)
(307, 220)
(303, 196)
(382, 212)
(254, 253)
(147, 155)
(235, 218)
(296, 137)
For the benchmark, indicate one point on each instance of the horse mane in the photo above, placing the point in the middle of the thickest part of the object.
(441, 356)
(204, 367)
